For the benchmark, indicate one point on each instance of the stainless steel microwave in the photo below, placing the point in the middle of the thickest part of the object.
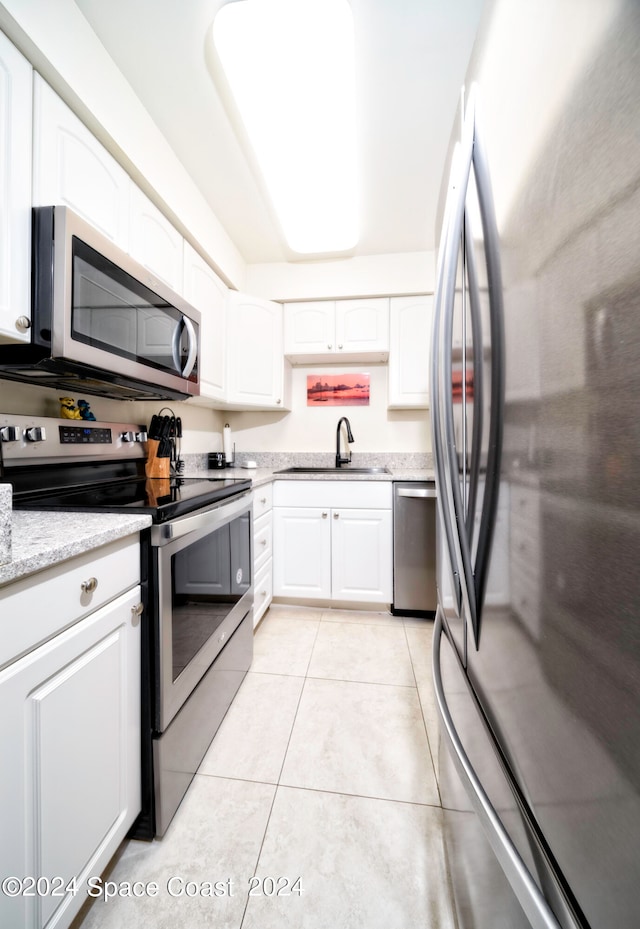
(101, 323)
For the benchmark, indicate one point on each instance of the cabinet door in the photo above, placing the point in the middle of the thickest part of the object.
(410, 352)
(255, 361)
(362, 325)
(73, 169)
(154, 242)
(302, 552)
(361, 555)
(309, 327)
(15, 199)
(70, 779)
(207, 293)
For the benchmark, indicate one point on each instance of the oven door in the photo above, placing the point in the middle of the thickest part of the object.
(203, 589)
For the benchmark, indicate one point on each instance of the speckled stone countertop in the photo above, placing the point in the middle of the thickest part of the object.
(401, 467)
(43, 539)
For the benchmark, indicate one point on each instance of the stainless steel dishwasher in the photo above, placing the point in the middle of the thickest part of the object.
(414, 548)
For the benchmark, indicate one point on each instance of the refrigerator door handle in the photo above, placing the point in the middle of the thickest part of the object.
(437, 349)
(453, 501)
(496, 313)
(525, 888)
(478, 396)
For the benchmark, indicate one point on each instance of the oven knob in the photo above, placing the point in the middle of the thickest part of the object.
(9, 433)
(128, 436)
(141, 436)
(35, 434)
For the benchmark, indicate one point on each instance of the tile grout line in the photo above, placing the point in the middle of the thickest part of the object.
(424, 721)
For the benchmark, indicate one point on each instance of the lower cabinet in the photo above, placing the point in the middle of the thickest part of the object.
(262, 551)
(70, 776)
(333, 551)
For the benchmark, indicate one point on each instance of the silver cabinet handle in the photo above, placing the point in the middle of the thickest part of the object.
(517, 873)
(420, 492)
(88, 587)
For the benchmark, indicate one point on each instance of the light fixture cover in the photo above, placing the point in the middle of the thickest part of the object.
(290, 68)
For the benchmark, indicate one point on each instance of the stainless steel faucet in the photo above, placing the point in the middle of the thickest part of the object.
(339, 459)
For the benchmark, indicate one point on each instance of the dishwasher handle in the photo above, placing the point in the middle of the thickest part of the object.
(416, 492)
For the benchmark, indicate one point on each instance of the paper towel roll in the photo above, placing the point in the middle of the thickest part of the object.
(227, 447)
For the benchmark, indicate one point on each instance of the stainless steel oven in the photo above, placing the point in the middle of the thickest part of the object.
(202, 572)
(196, 570)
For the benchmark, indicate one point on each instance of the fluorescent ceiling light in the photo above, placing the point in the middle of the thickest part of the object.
(290, 67)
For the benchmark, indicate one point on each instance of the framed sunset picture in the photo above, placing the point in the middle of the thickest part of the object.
(338, 390)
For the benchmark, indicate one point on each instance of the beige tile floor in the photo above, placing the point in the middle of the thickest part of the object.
(318, 792)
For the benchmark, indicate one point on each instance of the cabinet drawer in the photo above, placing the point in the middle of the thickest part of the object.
(344, 493)
(262, 500)
(38, 607)
(262, 540)
(263, 591)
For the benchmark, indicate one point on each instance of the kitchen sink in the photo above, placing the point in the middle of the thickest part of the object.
(345, 470)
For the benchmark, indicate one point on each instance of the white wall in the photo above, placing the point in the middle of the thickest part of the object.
(313, 429)
(202, 428)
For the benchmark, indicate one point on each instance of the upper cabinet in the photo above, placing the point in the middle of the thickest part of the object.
(154, 242)
(15, 200)
(207, 293)
(410, 352)
(73, 169)
(337, 331)
(258, 376)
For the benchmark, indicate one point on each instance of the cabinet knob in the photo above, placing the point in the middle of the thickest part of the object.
(278, 400)
(263, 500)
(263, 541)
(88, 587)
(324, 515)
(339, 346)
(329, 347)
(23, 324)
(137, 610)
(336, 515)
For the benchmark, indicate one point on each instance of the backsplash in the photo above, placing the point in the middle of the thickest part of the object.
(278, 460)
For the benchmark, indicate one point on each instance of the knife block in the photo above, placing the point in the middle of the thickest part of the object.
(154, 466)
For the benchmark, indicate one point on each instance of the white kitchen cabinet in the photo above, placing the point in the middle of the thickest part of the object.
(333, 541)
(262, 550)
(410, 323)
(337, 331)
(302, 552)
(16, 78)
(72, 168)
(204, 290)
(154, 242)
(69, 729)
(258, 377)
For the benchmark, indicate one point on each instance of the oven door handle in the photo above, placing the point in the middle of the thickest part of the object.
(207, 519)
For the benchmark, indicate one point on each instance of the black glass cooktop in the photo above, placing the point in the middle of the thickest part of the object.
(161, 498)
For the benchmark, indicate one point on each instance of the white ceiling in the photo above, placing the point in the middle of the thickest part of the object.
(412, 56)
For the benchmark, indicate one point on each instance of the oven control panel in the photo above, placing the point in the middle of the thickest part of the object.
(85, 435)
(31, 438)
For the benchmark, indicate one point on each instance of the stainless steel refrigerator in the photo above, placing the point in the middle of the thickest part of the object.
(536, 435)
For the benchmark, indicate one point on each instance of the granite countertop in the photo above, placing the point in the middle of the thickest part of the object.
(39, 540)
